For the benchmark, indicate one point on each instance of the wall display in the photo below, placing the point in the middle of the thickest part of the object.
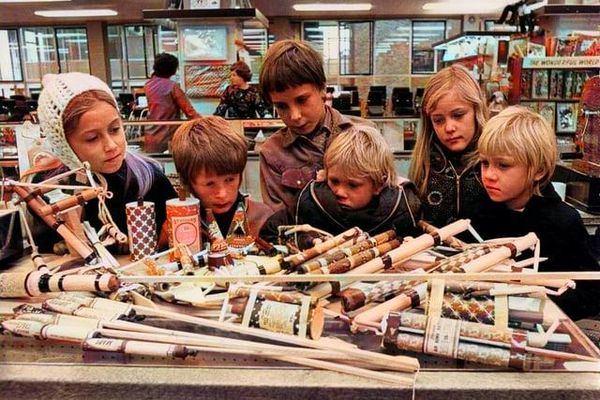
(526, 84)
(205, 43)
(532, 105)
(556, 84)
(566, 117)
(536, 50)
(201, 4)
(565, 47)
(548, 111)
(539, 84)
(206, 80)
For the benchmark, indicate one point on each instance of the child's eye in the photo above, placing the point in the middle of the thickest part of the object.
(437, 121)
(281, 106)
(458, 115)
(485, 163)
(301, 100)
(90, 139)
(354, 185)
(229, 179)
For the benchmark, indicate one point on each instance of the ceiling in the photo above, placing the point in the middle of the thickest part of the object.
(13, 14)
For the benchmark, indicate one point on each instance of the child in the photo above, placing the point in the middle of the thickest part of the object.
(360, 190)
(518, 155)
(165, 100)
(444, 163)
(210, 158)
(81, 121)
(293, 80)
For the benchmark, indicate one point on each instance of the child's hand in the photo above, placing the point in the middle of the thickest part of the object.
(321, 176)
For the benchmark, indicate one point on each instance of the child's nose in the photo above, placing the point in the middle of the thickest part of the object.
(295, 113)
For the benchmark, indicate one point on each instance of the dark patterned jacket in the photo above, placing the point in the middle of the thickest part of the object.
(394, 208)
(453, 192)
(241, 103)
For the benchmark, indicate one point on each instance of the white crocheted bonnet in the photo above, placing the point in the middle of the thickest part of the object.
(58, 90)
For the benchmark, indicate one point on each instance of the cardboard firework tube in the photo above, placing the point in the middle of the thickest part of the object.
(508, 250)
(61, 319)
(410, 298)
(450, 240)
(66, 333)
(183, 224)
(284, 296)
(32, 284)
(297, 259)
(74, 308)
(36, 204)
(361, 293)
(78, 199)
(340, 254)
(300, 319)
(141, 228)
(136, 347)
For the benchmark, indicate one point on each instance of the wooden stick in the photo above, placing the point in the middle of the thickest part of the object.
(529, 277)
(407, 364)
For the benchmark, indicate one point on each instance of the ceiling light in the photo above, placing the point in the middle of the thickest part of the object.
(29, 1)
(467, 6)
(101, 12)
(332, 7)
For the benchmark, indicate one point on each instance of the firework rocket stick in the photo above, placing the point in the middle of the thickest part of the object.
(406, 364)
(78, 199)
(32, 284)
(347, 264)
(412, 247)
(340, 254)
(509, 250)
(296, 259)
(450, 240)
(402, 253)
(35, 203)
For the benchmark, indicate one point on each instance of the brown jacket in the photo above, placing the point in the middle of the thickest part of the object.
(289, 161)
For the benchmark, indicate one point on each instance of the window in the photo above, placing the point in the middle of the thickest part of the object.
(131, 51)
(73, 55)
(355, 48)
(324, 37)
(424, 34)
(10, 66)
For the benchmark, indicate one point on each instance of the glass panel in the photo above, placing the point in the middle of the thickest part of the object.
(115, 56)
(10, 67)
(392, 47)
(150, 48)
(324, 37)
(255, 40)
(168, 41)
(355, 48)
(135, 52)
(424, 34)
(40, 53)
(73, 52)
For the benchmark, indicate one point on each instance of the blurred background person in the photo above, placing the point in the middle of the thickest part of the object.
(241, 100)
(166, 100)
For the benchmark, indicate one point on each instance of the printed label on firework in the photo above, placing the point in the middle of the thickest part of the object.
(185, 231)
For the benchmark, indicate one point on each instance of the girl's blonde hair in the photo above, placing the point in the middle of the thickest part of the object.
(362, 152)
(520, 133)
(454, 79)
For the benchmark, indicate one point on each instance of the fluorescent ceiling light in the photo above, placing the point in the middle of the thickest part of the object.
(100, 12)
(30, 1)
(333, 7)
(467, 6)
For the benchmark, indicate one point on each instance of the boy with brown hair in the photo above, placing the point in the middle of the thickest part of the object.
(518, 156)
(210, 158)
(293, 80)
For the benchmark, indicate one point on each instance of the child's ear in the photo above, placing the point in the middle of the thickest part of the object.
(539, 176)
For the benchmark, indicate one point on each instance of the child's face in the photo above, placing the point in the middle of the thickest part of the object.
(300, 107)
(99, 139)
(217, 192)
(506, 181)
(351, 192)
(453, 121)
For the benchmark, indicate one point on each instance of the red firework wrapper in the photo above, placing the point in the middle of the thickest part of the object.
(183, 224)
(141, 226)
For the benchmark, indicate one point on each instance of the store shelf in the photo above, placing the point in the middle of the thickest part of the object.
(562, 9)
(218, 14)
(443, 44)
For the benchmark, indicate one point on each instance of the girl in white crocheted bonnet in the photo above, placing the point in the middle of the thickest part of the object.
(81, 122)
